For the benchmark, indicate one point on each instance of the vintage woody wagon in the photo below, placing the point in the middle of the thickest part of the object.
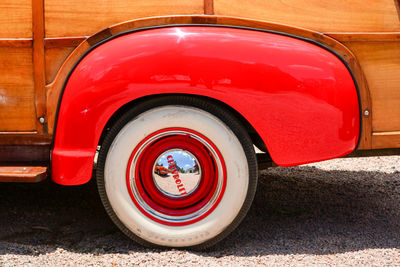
(115, 89)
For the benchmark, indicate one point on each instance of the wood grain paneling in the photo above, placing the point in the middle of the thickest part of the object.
(365, 37)
(15, 19)
(63, 41)
(24, 139)
(386, 140)
(26, 174)
(380, 62)
(20, 42)
(80, 18)
(17, 95)
(30, 154)
(319, 15)
(55, 57)
(54, 89)
(38, 63)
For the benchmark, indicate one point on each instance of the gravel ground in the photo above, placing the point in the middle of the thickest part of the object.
(340, 212)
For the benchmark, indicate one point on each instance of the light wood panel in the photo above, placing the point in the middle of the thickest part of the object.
(55, 57)
(80, 18)
(386, 140)
(17, 95)
(20, 42)
(318, 15)
(15, 19)
(380, 62)
(365, 36)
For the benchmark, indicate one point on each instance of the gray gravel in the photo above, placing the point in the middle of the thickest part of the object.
(340, 212)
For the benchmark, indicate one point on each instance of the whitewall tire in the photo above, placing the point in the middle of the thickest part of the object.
(208, 165)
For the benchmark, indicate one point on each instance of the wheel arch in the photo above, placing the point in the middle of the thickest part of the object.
(86, 155)
(55, 88)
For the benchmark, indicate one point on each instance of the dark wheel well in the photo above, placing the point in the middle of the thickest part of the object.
(255, 137)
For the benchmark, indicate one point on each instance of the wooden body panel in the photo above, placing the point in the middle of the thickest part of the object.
(380, 61)
(15, 18)
(14, 153)
(54, 58)
(318, 15)
(382, 140)
(80, 18)
(17, 94)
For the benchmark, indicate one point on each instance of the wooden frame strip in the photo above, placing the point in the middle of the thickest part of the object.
(361, 37)
(23, 139)
(29, 174)
(382, 140)
(209, 7)
(38, 63)
(16, 42)
(24, 153)
(55, 42)
(63, 41)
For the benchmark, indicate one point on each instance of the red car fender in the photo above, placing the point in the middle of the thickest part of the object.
(298, 96)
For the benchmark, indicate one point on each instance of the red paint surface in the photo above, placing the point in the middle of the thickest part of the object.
(300, 98)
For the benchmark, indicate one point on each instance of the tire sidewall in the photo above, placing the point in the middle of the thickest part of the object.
(130, 130)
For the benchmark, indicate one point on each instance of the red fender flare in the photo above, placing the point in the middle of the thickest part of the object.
(300, 97)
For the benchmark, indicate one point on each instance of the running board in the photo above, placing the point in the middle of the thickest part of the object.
(25, 174)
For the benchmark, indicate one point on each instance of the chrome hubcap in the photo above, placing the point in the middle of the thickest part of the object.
(177, 173)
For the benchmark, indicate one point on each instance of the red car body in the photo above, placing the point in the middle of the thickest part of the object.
(299, 97)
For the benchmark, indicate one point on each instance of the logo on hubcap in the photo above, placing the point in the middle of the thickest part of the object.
(174, 170)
